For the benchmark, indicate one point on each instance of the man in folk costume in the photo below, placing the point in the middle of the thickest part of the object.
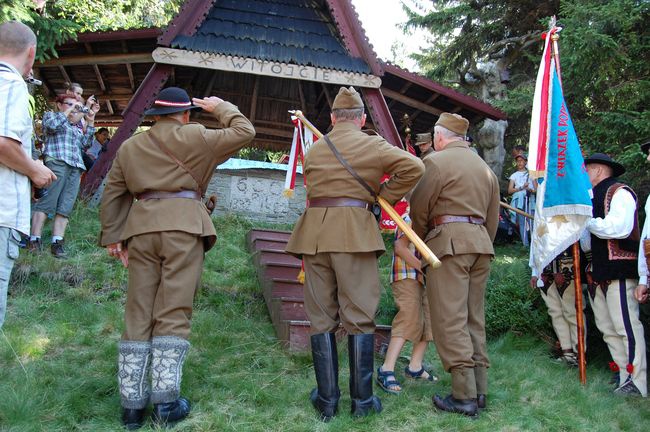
(152, 205)
(455, 209)
(641, 292)
(424, 141)
(557, 289)
(614, 245)
(338, 239)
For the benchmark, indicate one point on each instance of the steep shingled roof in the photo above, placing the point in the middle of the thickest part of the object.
(288, 31)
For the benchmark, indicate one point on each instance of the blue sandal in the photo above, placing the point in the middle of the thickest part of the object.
(417, 375)
(386, 380)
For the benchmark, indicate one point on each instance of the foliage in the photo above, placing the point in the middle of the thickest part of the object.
(58, 351)
(605, 53)
(61, 20)
(605, 60)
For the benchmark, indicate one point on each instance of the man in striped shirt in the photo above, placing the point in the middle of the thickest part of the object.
(17, 51)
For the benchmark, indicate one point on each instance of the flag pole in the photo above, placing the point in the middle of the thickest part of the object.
(582, 369)
(419, 244)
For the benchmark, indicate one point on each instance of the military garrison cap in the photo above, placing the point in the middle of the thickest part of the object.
(347, 98)
(454, 122)
(423, 138)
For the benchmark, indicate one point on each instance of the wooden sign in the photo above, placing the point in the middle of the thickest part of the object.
(263, 67)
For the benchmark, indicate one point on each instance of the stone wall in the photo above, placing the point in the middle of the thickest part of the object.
(257, 195)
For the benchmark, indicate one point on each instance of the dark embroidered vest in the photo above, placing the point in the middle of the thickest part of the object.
(613, 259)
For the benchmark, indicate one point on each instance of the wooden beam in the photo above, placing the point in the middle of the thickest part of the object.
(253, 110)
(66, 77)
(428, 102)
(411, 102)
(248, 65)
(303, 105)
(327, 95)
(405, 87)
(208, 88)
(98, 59)
(109, 107)
(129, 69)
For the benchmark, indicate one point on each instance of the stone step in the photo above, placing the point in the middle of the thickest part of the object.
(271, 235)
(281, 271)
(288, 309)
(271, 245)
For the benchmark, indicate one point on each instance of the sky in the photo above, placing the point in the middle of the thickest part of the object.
(380, 19)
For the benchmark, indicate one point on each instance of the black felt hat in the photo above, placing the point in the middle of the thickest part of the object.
(603, 159)
(645, 146)
(171, 100)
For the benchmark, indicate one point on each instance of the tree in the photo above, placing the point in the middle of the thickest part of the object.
(485, 48)
(55, 22)
(605, 54)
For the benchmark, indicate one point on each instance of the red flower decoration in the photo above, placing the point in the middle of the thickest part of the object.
(613, 366)
(630, 368)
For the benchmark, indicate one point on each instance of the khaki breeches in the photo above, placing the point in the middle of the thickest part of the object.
(616, 314)
(456, 292)
(164, 274)
(341, 287)
(412, 319)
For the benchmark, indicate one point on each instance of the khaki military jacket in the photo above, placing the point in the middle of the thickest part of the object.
(350, 229)
(456, 182)
(140, 165)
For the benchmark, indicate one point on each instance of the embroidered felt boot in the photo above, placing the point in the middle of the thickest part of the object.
(168, 355)
(133, 362)
(325, 397)
(361, 352)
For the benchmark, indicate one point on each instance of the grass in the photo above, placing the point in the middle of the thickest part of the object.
(59, 345)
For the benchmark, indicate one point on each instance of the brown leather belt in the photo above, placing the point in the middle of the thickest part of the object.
(187, 194)
(339, 202)
(445, 219)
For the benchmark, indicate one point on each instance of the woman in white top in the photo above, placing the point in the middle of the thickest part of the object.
(522, 189)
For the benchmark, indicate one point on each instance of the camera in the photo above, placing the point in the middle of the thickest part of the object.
(39, 193)
(82, 109)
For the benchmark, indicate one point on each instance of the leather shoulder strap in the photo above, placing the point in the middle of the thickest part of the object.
(347, 166)
(182, 165)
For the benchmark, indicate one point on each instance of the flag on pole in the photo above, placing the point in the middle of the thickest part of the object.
(303, 138)
(555, 160)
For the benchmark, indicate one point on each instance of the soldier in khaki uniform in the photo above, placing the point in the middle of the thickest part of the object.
(424, 141)
(152, 205)
(339, 240)
(455, 209)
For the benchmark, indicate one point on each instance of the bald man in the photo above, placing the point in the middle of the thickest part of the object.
(17, 52)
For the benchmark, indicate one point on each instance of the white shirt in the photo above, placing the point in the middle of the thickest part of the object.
(16, 124)
(617, 224)
(643, 265)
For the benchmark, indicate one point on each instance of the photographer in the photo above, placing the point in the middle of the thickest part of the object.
(64, 144)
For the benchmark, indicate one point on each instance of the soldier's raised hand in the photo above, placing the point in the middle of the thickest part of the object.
(208, 104)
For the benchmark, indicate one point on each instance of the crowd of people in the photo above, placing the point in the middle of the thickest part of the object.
(154, 220)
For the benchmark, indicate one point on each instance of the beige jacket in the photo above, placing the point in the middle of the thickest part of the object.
(456, 182)
(350, 229)
(140, 165)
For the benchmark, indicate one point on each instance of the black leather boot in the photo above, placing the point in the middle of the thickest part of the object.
(167, 414)
(450, 404)
(361, 351)
(132, 419)
(325, 397)
(481, 401)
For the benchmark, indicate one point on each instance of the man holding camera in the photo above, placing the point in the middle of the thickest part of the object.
(64, 143)
(17, 51)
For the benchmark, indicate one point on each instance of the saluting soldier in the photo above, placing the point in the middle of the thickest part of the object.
(424, 141)
(455, 209)
(153, 206)
(339, 240)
